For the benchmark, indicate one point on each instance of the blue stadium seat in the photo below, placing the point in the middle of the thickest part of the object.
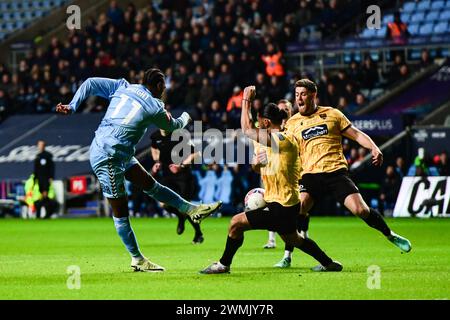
(447, 5)
(441, 27)
(4, 6)
(2, 36)
(426, 29)
(46, 4)
(405, 17)
(381, 32)
(445, 15)
(37, 4)
(388, 18)
(368, 33)
(29, 15)
(437, 5)
(423, 5)
(10, 26)
(418, 17)
(18, 16)
(432, 16)
(409, 7)
(20, 24)
(413, 28)
(38, 13)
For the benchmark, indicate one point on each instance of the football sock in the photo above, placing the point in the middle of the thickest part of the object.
(230, 249)
(126, 233)
(288, 248)
(303, 223)
(169, 197)
(288, 254)
(271, 236)
(310, 247)
(376, 221)
(196, 226)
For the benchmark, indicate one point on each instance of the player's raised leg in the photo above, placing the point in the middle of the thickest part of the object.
(355, 203)
(140, 177)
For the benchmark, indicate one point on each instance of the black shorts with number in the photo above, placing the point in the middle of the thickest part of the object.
(275, 218)
(337, 182)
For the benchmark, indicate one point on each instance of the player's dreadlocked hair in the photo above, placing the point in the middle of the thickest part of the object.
(152, 77)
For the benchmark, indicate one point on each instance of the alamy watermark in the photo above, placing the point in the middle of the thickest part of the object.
(74, 20)
(373, 277)
(374, 20)
(230, 147)
(74, 280)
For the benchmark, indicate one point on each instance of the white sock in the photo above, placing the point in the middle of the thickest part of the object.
(271, 236)
(287, 254)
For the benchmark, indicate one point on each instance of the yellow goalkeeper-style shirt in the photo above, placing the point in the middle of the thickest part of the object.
(319, 136)
(281, 173)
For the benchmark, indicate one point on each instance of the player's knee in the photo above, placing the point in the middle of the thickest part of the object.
(236, 225)
(361, 211)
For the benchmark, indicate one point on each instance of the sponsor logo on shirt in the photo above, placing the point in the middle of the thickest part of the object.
(314, 132)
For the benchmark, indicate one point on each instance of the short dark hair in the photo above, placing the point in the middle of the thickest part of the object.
(308, 84)
(152, 77)
(273, 113)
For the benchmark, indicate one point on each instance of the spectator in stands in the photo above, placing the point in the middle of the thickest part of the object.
(224, 191)
(389, 189)
(115, 14)
(444, 164)
(214, 117)
(369, 73)
(400, 167)
(208, 184)
(425, 60)
(4, 105)
(236, 99)
(273, 61)
(397, 30)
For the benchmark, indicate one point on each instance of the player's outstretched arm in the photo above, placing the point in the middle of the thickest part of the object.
(261, 136)
(365, 141)
(101, 87)
(163, 120)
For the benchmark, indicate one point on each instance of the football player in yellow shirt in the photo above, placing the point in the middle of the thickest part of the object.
(319, 131)
(280, 175)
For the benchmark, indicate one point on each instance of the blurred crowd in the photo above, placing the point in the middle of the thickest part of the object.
(208, 50)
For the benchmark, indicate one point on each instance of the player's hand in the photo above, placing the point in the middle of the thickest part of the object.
(377, 157)
(63, 108)
(260, 158)
(249, 93)
(174, 168)
(156, 167)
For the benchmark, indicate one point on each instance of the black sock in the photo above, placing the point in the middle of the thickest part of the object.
(376, 221)
(310, 247)
(230, 249)
(303, 223)
(196, 227)
(288, 248)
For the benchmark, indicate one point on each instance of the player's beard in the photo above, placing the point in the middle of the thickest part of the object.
(164, 96)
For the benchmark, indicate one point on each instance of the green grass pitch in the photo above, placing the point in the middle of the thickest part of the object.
(35, 256)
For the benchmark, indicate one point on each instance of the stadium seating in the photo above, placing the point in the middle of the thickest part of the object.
(17, 15)
(423, 18)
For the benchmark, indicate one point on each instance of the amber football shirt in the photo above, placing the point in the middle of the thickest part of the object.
(319, 136)
(281, 173)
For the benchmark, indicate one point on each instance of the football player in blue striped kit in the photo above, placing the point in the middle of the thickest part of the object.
(132, 108)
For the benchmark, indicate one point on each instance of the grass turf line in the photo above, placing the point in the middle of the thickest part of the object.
(35, 255)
